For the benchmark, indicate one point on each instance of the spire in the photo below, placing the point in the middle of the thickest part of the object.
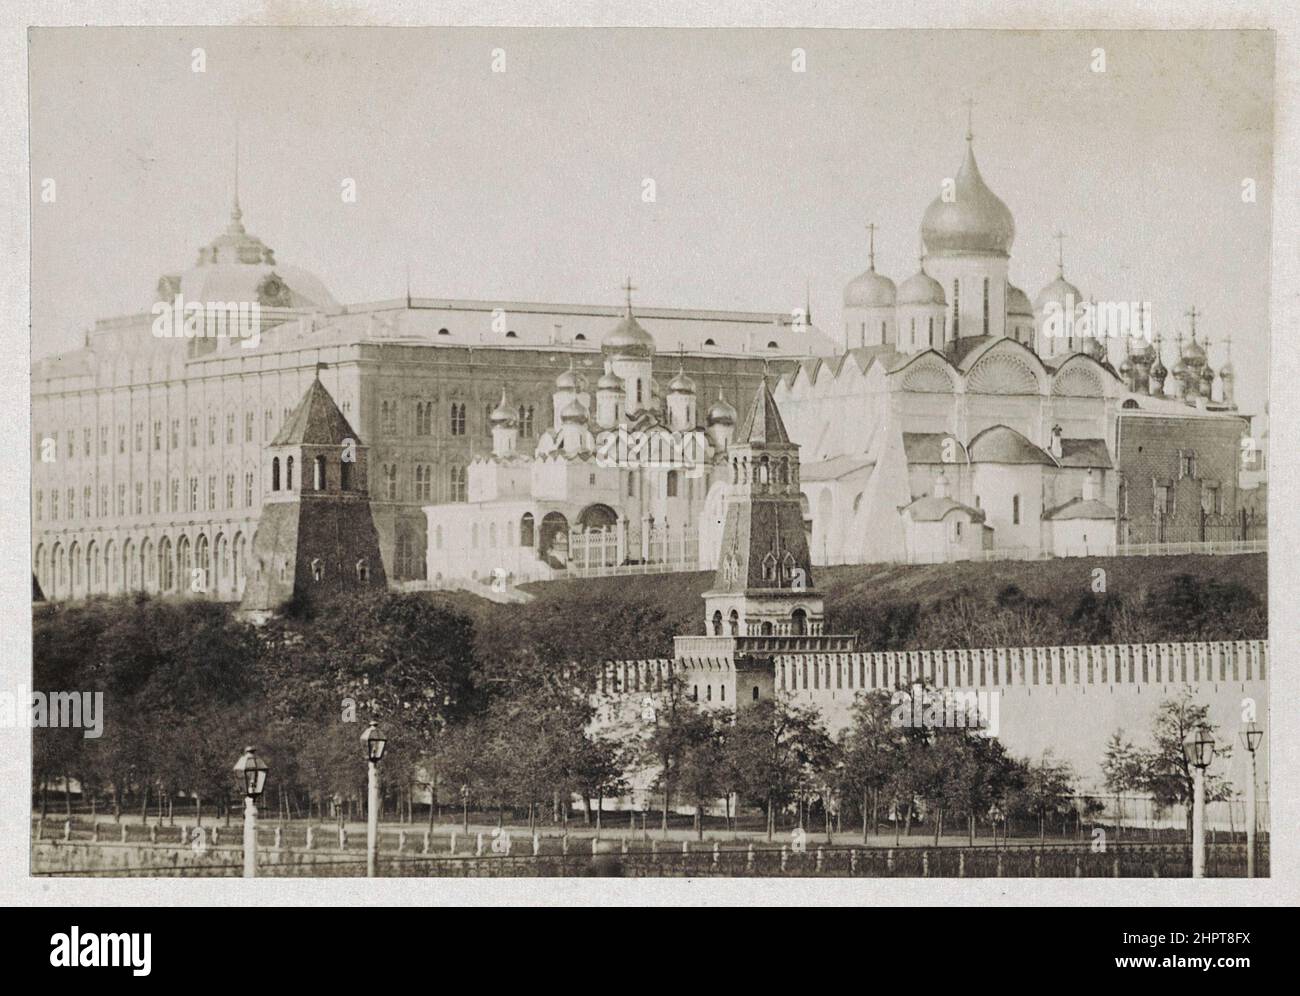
(236, 215)
(871, 229)
(408, 283)
(1192, 314)
(628, 289)
(1060, 253)
(970, 118)
(807, 302)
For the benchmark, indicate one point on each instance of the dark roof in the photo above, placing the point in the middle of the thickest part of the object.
(763, 423)
(316, 421)
(958, 349)
(927, 447)
(928, 508)
(1079, 508)
(1001, 444)
(1085, 453)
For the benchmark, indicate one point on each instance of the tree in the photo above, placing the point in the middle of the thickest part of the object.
(870, 749)
(1048, 789)
(773, 746)
(1165, 770)
(1122, 771)
(701, 769)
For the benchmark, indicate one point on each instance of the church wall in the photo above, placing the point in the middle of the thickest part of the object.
(997, 485)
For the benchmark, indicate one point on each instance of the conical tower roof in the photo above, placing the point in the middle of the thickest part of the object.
(316, 421)
(763, 423)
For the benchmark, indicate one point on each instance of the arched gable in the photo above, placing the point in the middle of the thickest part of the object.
(927, 372)
(1006, 367)
(1082, 376)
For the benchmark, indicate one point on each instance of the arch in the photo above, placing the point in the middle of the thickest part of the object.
(928, 372)
(733, 622)
(553, 540)
(94, 569)
(527, 530)
(131, 577)
(345, 475)
(238, 561)
(597, 516)
(1077, 380)
(754, 696)
(765, 629)
(221, 563)
(76, 581)
(288, 474)
(772, 345)
(318, 473)
(709, 342)
(444, 332)
(1001, 373)
(184, 564)
(275, 473)
(112, 567)
(799, 622)
(59, 570)
(166, 568)
(670, 483)
(203, 563)
(717, 622)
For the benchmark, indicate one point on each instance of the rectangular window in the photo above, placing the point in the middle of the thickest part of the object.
(388, 418)
(85, 442)
(121, 438)
(1015, 510)
(212, 492)
(54, 505)
(157, 497)
(103, 500)
(121, 499)
(176, 434)
(986, 305)
(194, 494)
(157, 435)
(956, 310)
(230, 428)
(424, 418)
(139, 498)
(175, 495)
(390, 481)
(230, 491)
(72, 503)
(103, 440)
(72, 444)
(212, 430)
(248, 490)
(458, 419)
(40, 505)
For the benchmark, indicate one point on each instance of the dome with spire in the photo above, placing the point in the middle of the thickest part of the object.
(609, 381)
(237, 266)
(1158, 369)
(628, 338)
(573, 412)
(722, 412)
(974, 220)
(1194, 352)
(921, 288)
(1061, 292)
(870, 290)
(569, 381)
(681, 384)
(502, 414)
(1018, 303)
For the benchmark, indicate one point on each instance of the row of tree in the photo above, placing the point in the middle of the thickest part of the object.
(500, 719)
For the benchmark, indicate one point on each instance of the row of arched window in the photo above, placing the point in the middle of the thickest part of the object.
(319, 474)
(203, 567)
(762, 470)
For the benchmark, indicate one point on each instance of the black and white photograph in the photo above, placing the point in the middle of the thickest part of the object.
(712, 457)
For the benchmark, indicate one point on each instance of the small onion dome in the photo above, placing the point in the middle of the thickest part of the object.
(1126, 365)
(870, 290)
(567, 381)
(1194, 353)
(1226, 371)
(573, 412)
(609, 381)
(502, 414)
(974, 220)
(1207, 374)
(1018, 303)
(921, 288)
(1060, 291)
(628, 338)
(722, 412)
(1158, 370)
(681, 384)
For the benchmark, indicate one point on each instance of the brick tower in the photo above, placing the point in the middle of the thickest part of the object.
(764, 583)
(316, 533)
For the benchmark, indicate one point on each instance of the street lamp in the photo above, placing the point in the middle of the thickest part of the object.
(253, 769)
(1199, 751)
(1252, 735)
(374, 742)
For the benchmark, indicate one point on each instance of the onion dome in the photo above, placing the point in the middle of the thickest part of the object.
(1226, 371)
(502, 414)
(681, 384)
(1018, 303)
(628, 338)
(974, 220)
(1158, 366)
(1126, 365)
(1194, 353)
(609, 381)
(921, 289)
(574, 412)
(870, 290)
(721, 411)
(1061, 292)
(567, 381)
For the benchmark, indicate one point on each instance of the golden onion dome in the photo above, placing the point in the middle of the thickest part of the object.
(974, 219)
(870, 290)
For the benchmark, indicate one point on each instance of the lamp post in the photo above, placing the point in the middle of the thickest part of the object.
(1199, 750)
(374, 742)
(1252, 734)
(253, 769)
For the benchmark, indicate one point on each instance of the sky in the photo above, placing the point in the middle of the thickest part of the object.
(528, 184)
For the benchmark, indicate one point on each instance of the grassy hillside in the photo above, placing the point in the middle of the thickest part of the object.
(918, 606)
